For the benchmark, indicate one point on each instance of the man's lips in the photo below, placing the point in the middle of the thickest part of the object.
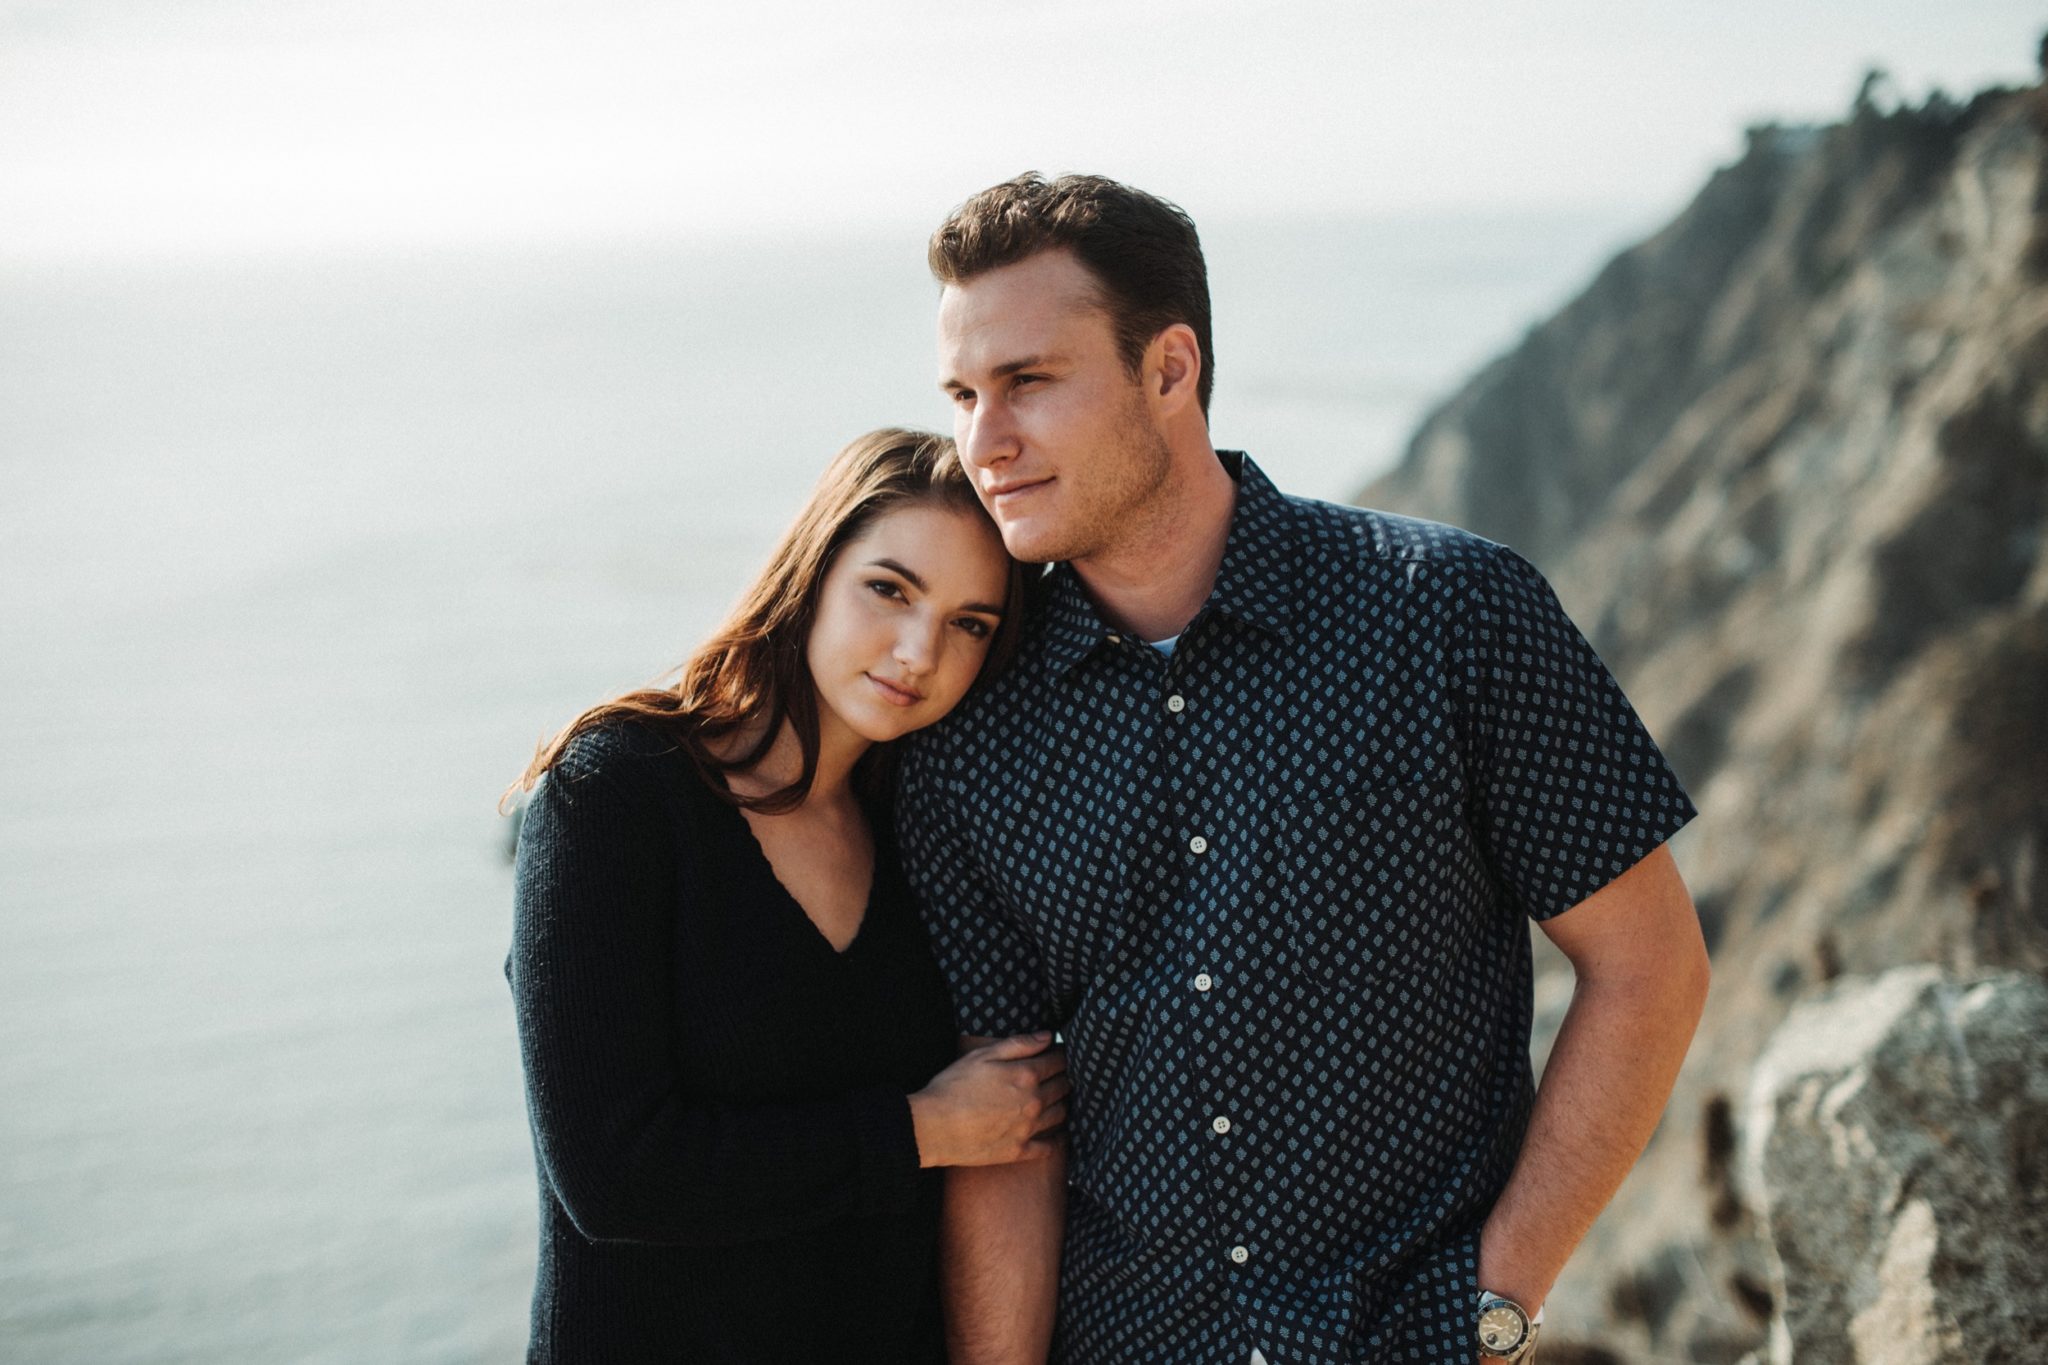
(896, 694)
(1004, 493)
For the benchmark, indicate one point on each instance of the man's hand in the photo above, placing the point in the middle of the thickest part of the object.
(1641, 970)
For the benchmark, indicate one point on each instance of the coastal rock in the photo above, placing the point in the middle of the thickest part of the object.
(1896, 1145)
(1787, 463)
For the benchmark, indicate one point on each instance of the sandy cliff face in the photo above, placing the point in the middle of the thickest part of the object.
(1787, 462)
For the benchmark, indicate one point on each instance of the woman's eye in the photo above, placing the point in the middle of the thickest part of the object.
(882, 587)
(975, 626)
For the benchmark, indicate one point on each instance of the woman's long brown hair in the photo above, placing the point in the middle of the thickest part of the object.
(751, 675)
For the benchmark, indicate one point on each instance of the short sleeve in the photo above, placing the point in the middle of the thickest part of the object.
(990, 963)
(1568, 789)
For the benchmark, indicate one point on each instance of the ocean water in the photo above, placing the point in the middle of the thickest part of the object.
(298, 558)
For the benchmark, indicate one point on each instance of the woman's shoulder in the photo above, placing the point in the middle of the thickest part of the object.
(625, 755)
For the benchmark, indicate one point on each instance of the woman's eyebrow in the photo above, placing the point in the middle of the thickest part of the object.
(897, 567)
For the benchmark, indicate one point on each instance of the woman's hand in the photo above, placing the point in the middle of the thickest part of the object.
(1002, 1101)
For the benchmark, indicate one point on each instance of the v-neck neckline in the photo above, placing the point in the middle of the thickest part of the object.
(767, 865)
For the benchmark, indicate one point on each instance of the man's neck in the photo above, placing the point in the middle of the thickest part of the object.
(1158, 575)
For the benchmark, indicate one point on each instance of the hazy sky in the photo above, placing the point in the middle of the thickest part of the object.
(146, 126)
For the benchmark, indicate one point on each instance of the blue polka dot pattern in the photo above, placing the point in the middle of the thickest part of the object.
(1273, 890)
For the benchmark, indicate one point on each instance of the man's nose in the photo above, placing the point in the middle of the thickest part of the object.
(990, 436)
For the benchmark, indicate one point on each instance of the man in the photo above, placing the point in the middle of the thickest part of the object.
(1255, 818)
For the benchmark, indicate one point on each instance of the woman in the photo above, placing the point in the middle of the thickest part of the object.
(740, 1058)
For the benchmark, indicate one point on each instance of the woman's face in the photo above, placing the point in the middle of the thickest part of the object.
(905, 618)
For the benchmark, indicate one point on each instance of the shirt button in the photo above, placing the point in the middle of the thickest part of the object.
(1198, 845)
(1176, 703)
(1240, 1255)
(1203, 981)
(1220, 1124)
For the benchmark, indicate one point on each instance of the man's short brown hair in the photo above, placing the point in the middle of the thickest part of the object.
(1142, 251)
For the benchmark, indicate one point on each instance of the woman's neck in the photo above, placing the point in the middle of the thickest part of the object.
(838, 750)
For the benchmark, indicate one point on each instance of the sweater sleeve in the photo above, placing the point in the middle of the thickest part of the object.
(629, 1155)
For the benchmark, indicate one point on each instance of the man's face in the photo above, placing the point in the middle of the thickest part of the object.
(1057, 436)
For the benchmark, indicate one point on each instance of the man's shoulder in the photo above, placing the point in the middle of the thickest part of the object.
(1340, 533)
(998, 712)
(996, 706)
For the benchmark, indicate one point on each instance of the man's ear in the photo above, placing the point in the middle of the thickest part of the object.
(1175, 369)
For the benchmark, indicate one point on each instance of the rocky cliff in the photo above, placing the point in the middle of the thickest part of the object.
(1895, 1143)
(1787, 462)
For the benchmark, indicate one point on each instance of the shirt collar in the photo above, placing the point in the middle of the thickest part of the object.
(1254, 583)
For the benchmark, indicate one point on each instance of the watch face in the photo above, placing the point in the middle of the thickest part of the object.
(1501, 1328)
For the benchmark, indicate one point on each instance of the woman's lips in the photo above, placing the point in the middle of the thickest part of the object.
(893, 693)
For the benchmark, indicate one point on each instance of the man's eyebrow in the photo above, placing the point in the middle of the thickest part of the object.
(897, 567)
(1008, 368)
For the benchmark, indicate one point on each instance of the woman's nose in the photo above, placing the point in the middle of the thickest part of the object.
(917, 646)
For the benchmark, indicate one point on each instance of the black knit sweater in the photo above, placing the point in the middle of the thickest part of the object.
(718, 1099)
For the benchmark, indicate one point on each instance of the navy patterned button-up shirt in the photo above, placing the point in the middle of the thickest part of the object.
(1274, 889)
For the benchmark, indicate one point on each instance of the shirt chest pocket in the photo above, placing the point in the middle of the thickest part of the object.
(1377, 883)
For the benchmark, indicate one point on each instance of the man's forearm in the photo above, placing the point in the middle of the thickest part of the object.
(1609, 1075)
(999, 1256)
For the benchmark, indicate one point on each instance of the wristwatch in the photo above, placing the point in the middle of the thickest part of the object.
(1506, 1331)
